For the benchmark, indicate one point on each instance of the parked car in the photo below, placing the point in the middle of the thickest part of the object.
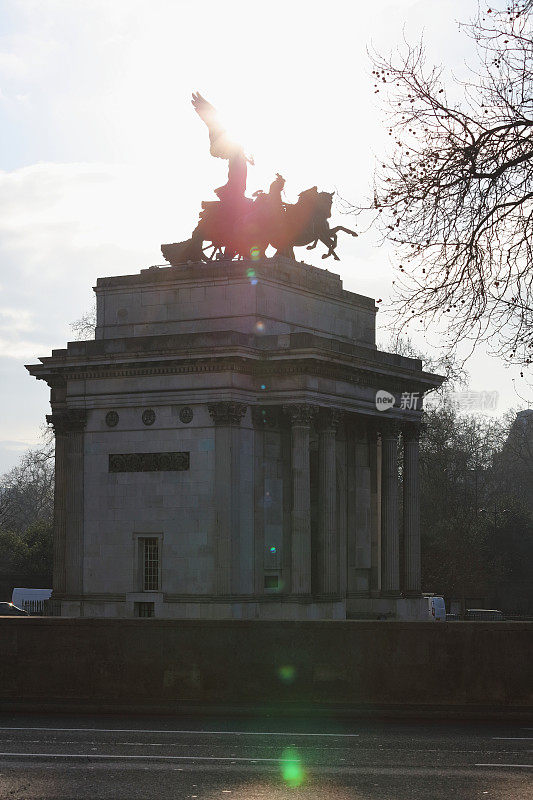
(484, 614)
(9, 610)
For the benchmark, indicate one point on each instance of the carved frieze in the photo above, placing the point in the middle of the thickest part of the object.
(227, 412)
(148, 462)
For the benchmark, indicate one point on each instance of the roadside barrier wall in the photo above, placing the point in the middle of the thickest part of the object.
(58, 663)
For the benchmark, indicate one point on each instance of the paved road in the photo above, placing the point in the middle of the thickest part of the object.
(126, 758)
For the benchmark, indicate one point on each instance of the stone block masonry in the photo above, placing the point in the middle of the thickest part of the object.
(219, 452)
(345, 666)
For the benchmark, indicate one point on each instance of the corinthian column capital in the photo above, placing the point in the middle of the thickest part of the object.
(300, 413)
(68, 420)
(330, 418)
(411, 431)
(227, 412)
(388, 429)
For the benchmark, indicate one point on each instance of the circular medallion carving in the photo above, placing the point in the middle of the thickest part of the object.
(148, 416)
(186, 414)
(111, 419)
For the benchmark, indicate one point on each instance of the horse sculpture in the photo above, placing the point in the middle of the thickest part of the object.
(238, 226)
(255, 224)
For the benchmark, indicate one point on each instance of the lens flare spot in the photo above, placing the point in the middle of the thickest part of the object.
(259, 327)
(255, 253)
(272, 549)
(263, 386)
(291, 768)
(250, 273)
(287, 673)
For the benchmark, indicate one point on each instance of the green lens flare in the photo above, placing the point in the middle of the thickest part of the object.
(291, 768)
(250, 273)
(255, 253)
(287, 673)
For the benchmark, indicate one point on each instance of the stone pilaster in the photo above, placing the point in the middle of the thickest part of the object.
(390, 540)
(411, 510)
(300, 416)
(328, 548)
(68, 427)
(227, 416)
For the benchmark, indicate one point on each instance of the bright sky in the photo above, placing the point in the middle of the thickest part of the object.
(102, 157)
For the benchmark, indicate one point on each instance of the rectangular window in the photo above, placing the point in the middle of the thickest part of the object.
(150, 561)
(144, 610)
(271, 582)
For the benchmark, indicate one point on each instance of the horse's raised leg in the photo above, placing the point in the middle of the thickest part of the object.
(312, 246)
(338, 228)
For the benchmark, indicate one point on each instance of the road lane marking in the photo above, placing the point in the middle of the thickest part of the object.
(522, 766)
(146, 758)
(203, 733)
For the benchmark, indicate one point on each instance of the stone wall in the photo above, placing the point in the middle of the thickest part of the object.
(176, 505)
(57, 663)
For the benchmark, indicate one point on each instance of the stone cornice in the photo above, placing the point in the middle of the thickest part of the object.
(197, 347)
(258, 368)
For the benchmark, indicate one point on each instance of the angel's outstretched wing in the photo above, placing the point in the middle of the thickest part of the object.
(220, 145)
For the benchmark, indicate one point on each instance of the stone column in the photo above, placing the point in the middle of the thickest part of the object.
(361, 535)
(300, 417)
(374, 460)
(411, 510)
(68, 426)
(227, 416)
(390, 541)
(328, 554)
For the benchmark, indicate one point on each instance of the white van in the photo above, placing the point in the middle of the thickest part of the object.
(436, 608)
(31, 600)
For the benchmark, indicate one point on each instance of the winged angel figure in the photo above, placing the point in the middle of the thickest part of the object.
(221, 146)
(235, 225)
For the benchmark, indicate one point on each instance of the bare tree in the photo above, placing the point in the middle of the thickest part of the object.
(456, 195)
(27, 491)
(83, 328)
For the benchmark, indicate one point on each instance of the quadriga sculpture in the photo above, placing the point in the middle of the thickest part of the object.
(238, 226)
